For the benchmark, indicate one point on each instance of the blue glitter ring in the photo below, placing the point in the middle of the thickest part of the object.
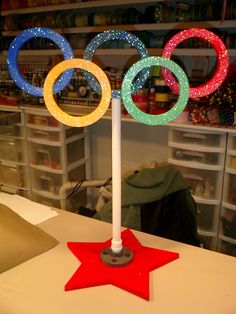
(152, 119)
(12, 59)
(116, 35)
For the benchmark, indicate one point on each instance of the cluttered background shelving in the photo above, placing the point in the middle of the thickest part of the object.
(200, 143)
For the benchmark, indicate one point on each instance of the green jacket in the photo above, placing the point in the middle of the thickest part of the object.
(145, 186)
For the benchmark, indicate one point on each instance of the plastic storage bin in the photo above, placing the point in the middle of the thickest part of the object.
(45, 156)
(13, 190)
(47, 182)
(229, 193)
(14, 175)
(12, 150)
(209, 242)
(50, 182)
(193, 156)
(226, 246)
(42, 120)
(207, 217)
(202, 183)
(199, 138)
(232, 142)
(228, 221)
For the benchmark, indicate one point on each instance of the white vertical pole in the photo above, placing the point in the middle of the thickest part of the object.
(116, 242)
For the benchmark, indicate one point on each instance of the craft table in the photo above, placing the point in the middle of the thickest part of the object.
(200, 281)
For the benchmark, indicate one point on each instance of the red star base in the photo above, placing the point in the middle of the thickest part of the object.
(133, 277)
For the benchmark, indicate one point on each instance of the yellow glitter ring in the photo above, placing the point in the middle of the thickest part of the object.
(62, 116)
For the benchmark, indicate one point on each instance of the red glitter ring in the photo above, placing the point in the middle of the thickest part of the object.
(222, 61)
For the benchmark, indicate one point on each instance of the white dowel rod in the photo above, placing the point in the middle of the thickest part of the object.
(116, 243)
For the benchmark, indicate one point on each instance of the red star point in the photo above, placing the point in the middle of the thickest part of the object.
(133, 277)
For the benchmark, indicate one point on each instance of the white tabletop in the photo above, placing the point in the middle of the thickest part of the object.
(199, 282)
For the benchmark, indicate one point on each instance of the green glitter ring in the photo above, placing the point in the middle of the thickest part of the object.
(152, 119)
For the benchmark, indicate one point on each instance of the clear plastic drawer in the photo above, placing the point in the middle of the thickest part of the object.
(209, 242)
(229, 192)
(41, 120)
(228, 222)
(202, 183)
(45, 155)
(46, 182)
(226, 247)
(210, 158)
(232, 141)
(53, 136)
(207, 217)
(185, 136)
(12, 150)
(11, 130)
(14, 175)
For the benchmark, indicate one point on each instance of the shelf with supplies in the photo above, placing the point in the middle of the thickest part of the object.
(152, 21)
(77, 5)
(125, 52)
(200, 157)
(227, 24)
(47, 155)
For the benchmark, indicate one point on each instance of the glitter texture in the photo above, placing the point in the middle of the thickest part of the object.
(163, 118)
(116, 35)
(18, 42)
(63, 116)
(222, 61)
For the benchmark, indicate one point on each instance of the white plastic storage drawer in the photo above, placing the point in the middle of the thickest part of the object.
(232, 141)
(12, 150)
(46, 182)
(198, 137)
(194, 156)
(45, 155)
(43, 135)
(229, 191)
(13, 190)
(11, 130)
(41, 120)
(202, 183)
(231, 160)
(207, 217)
(209, 242)
(14, 175)
(227, 246)
(50, 182)
(10, 123)
(228, 222)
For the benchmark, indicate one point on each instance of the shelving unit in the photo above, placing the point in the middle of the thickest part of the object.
(14, 170)
(56, 155)
(227, 231)
(200, 157)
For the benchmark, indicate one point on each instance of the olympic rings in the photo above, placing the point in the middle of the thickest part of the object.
(97, 74)
(116, 35)
(222, 61)
(61, 115)
(13, 51)
(151, 119)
